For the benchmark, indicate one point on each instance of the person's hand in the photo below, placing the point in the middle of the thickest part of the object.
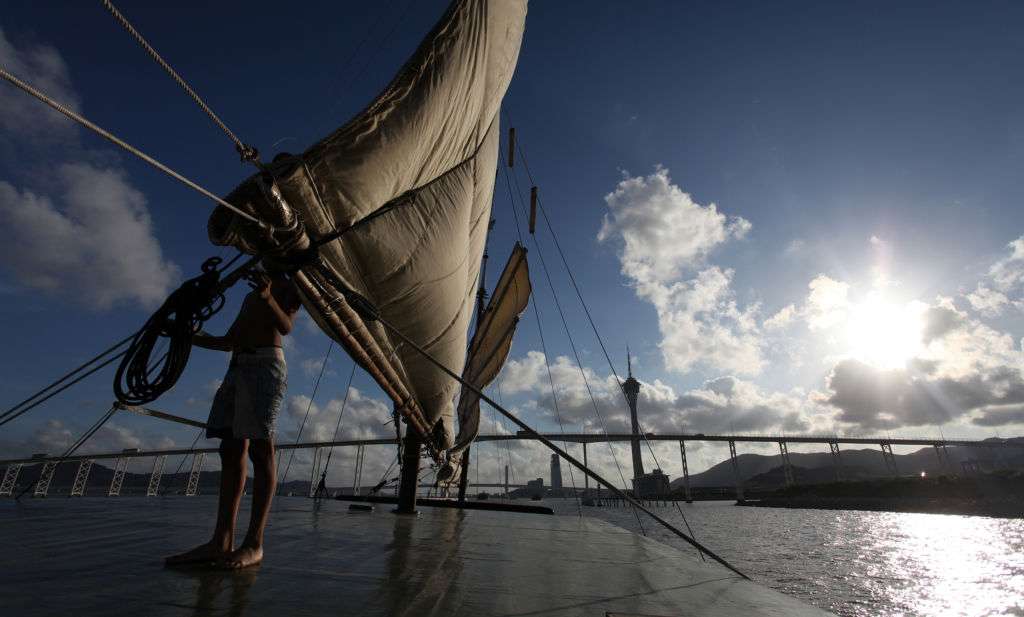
(260, 282)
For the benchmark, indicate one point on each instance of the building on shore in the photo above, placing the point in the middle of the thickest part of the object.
(535, 488)
(654, 484)
(556, 472)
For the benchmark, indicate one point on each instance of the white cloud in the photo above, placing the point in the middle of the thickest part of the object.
(87, 234)
(1002, 288)
(782, 318)
(94, 246)
(24, 116)
(827, 303)
(794, 247)
(666, 235)
(987, 301)
(54, 437)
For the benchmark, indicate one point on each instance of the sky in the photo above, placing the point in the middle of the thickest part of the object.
(800, 217)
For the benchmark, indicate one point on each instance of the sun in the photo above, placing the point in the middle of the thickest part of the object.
(884, 334)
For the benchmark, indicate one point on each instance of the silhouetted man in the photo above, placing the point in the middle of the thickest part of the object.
(243, 414)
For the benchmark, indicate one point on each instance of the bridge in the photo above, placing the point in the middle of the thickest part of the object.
(319, 448)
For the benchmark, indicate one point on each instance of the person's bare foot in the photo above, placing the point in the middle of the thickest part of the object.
(204, 553)
(243, 557)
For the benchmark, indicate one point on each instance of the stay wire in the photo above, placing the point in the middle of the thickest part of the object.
(590, 319)
(572, 344)
(316, 386)
(248, 153)
(337, 427)
(117, 141)
(191, 452)
(549, 443)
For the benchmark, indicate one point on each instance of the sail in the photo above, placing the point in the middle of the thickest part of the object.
(492, 341)
(424, 152)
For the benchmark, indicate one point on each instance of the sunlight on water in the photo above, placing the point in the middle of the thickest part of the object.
(860, 563)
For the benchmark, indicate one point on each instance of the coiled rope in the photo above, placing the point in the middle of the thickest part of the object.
(138, 380)
(247, 152)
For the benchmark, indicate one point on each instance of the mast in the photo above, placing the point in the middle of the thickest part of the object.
(481, 297)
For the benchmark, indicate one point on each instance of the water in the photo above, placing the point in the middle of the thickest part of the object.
(856, 563)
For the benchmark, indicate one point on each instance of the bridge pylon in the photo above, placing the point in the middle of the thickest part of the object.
(686, 472)
(81, 478)
(833, 447)
(316, 469)
(10, 478)
(736, 470)
(787, 466)
(357, 473)
(154, 477)
(45, 476)
(890, 458)
(945, 463)
(192, 489)
(120, 467)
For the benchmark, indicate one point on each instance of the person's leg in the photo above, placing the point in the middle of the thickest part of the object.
(264, 483)
(232, 483)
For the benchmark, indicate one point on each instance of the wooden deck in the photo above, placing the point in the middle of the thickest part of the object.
(103, 556)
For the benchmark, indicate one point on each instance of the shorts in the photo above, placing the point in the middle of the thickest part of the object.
(248, 401)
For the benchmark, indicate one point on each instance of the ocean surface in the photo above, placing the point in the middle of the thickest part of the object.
(851, 562)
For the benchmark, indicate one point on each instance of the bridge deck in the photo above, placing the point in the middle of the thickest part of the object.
(84, 557)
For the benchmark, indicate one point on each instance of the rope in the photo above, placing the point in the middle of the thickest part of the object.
(316, 386)
(248, 153)
(128, 147)
(590, 319)
(77, 444)
(551, 445)
(337, 427)
(23, 407)
(176, 321)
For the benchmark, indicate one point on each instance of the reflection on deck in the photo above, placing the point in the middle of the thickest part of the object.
(81, 557)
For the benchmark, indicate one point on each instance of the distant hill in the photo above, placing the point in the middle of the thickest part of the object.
(766, 471)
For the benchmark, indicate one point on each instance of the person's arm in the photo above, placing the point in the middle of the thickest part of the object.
(284, 318)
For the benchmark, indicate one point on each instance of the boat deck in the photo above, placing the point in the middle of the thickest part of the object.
(103, 556)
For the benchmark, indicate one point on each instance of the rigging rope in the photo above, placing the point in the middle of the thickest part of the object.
(337, 428)
(550, 444)
(129, 148)
(597, 334)
(248, 153)
(316, 386)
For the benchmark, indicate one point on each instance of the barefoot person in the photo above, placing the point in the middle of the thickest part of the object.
(243, 414)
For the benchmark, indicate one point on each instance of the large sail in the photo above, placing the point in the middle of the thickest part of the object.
(425, 150)
(492, 341)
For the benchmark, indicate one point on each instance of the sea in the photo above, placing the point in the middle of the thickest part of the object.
(853, 563)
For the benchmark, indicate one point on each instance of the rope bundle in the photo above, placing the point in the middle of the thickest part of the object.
(139, 380)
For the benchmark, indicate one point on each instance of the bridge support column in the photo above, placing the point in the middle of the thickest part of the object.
(945, 463)
(45, 476)
(686, 472)
(736, 470)
(506, 482)
(10, 479)
(81, 478)
(787, 466)
(357, 476)
(192, 489)
(890, 459)
(586, 478)
(410, 474)
(153, 490)
(833, 447)
(120, 467)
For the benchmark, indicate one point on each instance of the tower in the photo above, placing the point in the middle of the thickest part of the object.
(556, 472)
(631, 388)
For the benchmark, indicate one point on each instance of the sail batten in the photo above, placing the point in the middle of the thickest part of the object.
(431, 140)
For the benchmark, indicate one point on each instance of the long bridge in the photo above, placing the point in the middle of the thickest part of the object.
(159, 457)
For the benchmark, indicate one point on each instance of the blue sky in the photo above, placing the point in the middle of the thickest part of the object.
(856, 274)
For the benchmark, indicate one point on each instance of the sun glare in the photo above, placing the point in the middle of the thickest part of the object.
(884, 334)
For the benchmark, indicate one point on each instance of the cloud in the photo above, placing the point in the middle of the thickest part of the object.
(966, 371)
(782, 318)
(794, 247)
(828, 302)
(54, 437)
(720, 405)
(23, 116)
(987, 301)
(665, 237)
(1002, 287)
(94, 245)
